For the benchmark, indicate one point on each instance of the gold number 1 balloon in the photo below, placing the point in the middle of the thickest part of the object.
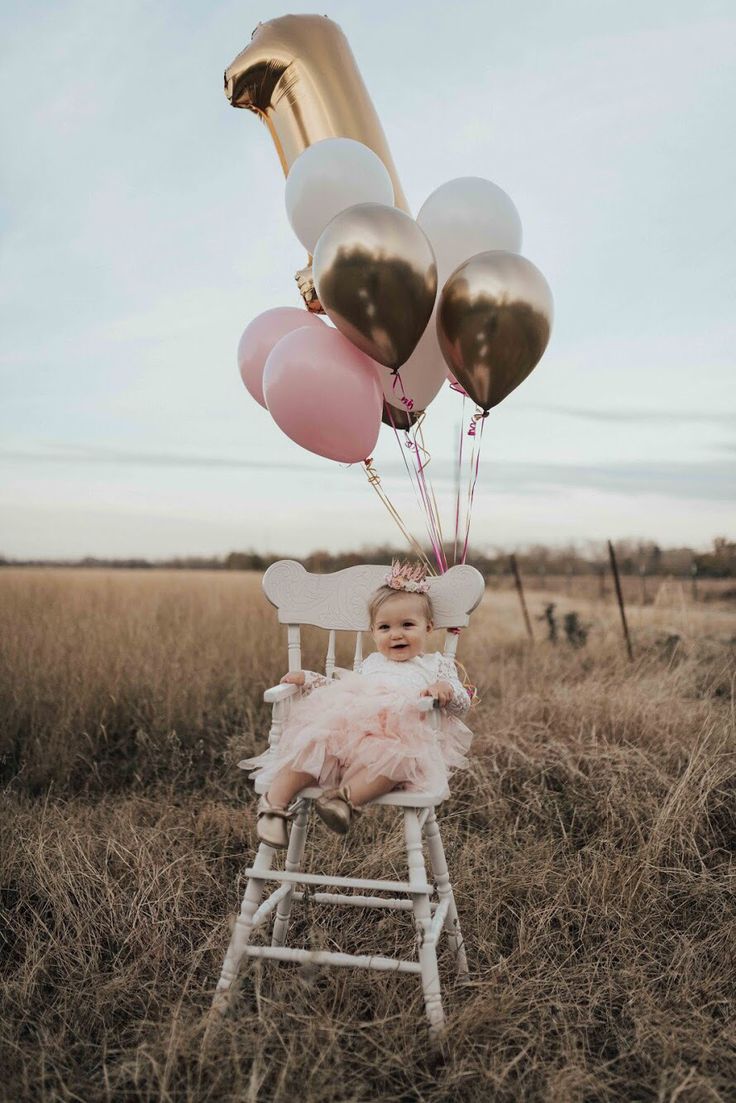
(300, 77)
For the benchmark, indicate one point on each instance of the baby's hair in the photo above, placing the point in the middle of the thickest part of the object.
(384, 593)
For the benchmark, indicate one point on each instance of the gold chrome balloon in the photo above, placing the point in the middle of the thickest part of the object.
(493, 323)
(375, 276)
(298, 74)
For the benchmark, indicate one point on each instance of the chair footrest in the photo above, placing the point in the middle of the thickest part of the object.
(390, 903)
(339, 882)
(329, 957)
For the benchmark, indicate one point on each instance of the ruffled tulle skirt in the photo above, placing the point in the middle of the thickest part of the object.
(365, 722)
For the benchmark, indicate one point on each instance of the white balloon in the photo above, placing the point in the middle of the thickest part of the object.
(466, 216)
(328, 177)
(421, 377)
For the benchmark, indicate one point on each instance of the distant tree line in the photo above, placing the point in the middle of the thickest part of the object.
(634, 557)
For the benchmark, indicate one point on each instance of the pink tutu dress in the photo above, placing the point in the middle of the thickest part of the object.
(372, 720)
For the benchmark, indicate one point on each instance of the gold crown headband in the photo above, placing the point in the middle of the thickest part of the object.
(409, 577)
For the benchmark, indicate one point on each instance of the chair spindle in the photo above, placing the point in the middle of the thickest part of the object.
(330, 660)
(358, 657)
(295, 647)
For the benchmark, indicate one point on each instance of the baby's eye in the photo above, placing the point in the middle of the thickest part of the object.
(382, 627)
(408, 624)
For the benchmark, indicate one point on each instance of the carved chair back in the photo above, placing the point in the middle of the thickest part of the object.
(339, 602)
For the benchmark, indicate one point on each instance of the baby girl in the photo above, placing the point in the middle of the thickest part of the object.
(362, 735)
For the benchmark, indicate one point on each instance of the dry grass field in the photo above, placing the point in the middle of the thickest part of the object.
(591, 846)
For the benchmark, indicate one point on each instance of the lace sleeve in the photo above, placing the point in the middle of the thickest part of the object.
(447, 672)
(312, 681)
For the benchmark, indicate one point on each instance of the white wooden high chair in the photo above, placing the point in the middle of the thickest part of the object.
(339, 602)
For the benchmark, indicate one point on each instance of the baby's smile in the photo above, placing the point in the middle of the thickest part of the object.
(401, 628)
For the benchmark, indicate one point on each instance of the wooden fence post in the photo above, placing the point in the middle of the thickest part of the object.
(620, 596)
(520, 592)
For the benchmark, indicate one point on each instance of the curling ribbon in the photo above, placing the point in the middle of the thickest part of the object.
(459, 472)
(419, 432)
(375, 481)
(408, 444)
(479, 416)
(423, 494)
(405, 401)
(419, 452)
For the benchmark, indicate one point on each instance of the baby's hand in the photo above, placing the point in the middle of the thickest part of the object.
(441, 690)
(294, 678)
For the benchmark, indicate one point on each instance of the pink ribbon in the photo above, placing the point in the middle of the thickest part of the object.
(474, 467)
(420, 491)
(407, 402)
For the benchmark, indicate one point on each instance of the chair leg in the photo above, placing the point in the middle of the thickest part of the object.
(444, 888)
(294, 855)
(423, 919)
(242, 929)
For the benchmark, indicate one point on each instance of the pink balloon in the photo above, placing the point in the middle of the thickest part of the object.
(325, 394)
(454, 385)
(261, 335)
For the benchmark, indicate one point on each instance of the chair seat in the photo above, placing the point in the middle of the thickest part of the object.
(399, 799)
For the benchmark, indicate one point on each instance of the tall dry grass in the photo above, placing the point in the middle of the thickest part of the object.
(591, 846)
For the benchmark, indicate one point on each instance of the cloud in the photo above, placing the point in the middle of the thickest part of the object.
(713, 481)
(710, 480)
(654, 417)
(83, 454)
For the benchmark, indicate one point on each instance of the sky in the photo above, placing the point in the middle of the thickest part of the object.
(142, 226)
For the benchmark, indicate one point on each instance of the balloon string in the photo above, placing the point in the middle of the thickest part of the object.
(427, 500)
(423, 457)
(420, 490)
(405, 401)
(474, 469)
(472, 689)
(428, 513)
(471, 432)
(427, 509)
(375, 481)
(409, 472)
(428, 483)
(419, 452)
(457, 481)
(403, 449)
(473, 477)
(467, 684)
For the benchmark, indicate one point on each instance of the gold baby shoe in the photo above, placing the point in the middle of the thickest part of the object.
(271, 824)
(336, 809)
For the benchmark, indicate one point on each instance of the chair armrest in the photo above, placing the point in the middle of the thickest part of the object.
(280, 693)
(426, 704)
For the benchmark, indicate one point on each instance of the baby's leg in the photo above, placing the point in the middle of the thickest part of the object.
(339, 807)
(364, 788)
(286, 785)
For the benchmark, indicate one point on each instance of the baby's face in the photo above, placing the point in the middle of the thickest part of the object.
(401, 628)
